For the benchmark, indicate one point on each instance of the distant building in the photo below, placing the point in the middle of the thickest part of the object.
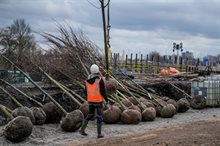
(188, 55)
(211, 60)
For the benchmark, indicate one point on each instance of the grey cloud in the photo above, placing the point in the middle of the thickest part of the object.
(166, 20)
(198, 17)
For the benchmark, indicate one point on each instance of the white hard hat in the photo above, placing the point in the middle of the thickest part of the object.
(94, 69)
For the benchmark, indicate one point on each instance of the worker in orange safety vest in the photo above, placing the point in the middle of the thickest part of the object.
(95, 91)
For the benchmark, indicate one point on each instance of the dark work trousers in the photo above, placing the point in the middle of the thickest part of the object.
(92, 108)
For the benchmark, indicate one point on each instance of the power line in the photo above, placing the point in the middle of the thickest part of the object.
(93, 5)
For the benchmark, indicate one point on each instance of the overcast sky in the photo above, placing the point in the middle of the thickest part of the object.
(137, 26)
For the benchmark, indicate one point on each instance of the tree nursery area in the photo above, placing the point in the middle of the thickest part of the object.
(43, 98)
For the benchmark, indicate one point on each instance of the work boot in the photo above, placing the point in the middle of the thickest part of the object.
(99, 130)
(82, 130)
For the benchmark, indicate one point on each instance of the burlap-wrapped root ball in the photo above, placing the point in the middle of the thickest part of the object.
(168, 111)
(130, 116)
(112, 115)
(142, 107)
(39, 114)
(54, 114)
(149, 104)
(72, 121)
(133, 100)
(126, 102)
(111, 86)
(84, 108)
(24, 111)
(158, 109)
(143, 99)
(165, 98)
(183, 105)
(149, 114)
(198, 102)
(18, 129)
(173, 102)
(134, 107)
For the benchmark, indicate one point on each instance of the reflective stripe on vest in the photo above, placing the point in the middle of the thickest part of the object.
(93, 92)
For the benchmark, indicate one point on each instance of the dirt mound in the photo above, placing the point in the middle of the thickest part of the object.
(18, 129)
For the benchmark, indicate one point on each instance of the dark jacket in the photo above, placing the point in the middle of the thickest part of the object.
(91, 79)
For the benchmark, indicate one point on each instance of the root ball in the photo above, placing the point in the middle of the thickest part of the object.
(173, 102)
(54, 114)
(133, 100)
(168, 111)
(24, 111)
(84, 108)
(111, 86)
(72, 121)
(18, 129)
(134, 107)
(149, 114)
(39, 114)
(149, 104)
(126, 102)
(198, 102)
(130, 116)
(183, 105)
(158, 109)
(112, 115)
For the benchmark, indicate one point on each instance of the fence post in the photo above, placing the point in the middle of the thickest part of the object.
(126, 61)
(181, 63)
(175, 60)
(152, 59)
(141, 63)
(118, 63)
(131, 62)
(158, 63)
(114, 61)
(136, 63)
(186, 64)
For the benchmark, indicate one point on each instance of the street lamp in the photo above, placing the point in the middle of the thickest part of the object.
(177, 47)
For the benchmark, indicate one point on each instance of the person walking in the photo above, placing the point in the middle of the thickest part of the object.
(95, 92)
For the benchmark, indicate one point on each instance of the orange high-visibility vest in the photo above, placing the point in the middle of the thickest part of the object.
(93, 92)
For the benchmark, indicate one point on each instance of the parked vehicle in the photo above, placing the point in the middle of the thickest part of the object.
(124, 73)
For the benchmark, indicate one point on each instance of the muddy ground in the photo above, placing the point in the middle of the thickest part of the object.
(202, 133)
(159, 132)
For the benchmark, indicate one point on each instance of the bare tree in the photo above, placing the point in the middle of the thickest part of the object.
(17, 41)
(72, 53)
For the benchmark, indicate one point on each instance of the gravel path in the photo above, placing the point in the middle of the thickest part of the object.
(51, 134)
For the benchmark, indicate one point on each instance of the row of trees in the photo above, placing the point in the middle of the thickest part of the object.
(70, 54)
(17, 42)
